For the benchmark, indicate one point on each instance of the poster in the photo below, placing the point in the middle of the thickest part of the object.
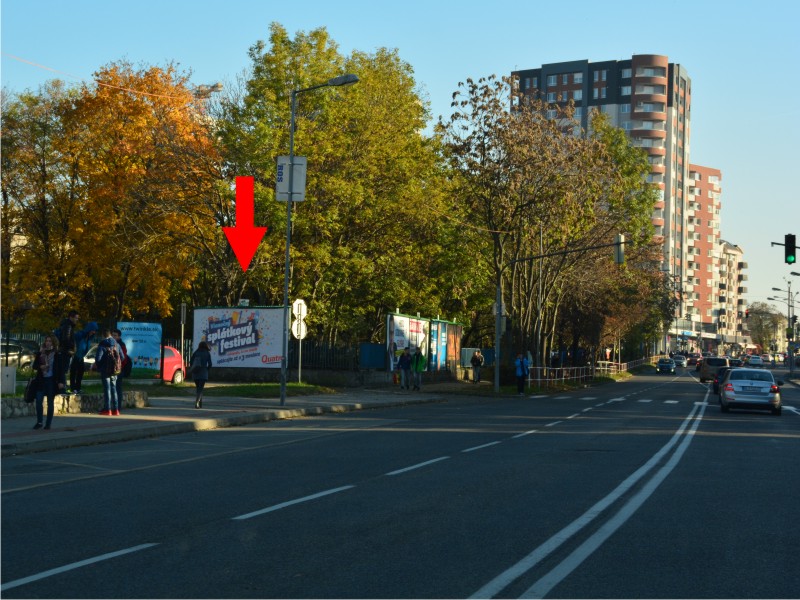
(405, 332)
(241, 336)
(143, 342)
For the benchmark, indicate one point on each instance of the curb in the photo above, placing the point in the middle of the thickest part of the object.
(91, 438)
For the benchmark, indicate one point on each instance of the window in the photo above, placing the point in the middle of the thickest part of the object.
(578, 112)
(565, 79)
(595, 93)
(551, 96)
(625, 90)
(626, 73)
(625, 109)
(577, 95)
(552, 80)
(597, 75)
(577, 77)
(603, 74)
(602, 92)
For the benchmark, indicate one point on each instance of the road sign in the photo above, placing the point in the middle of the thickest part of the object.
(299, 329)
(298, 179)
(299, 309)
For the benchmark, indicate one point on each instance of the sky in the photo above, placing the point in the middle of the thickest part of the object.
(742, 57)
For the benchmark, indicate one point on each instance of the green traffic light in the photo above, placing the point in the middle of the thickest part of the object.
(790, 249)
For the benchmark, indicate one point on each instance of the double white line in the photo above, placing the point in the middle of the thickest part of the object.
(569, 564)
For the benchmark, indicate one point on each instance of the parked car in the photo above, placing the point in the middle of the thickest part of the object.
(14, 354)
(665, 365)
(750, 388)
(692, 359)
(755, 362)
(710, 366)
(174, 370)
(767, 358)
(680, 360)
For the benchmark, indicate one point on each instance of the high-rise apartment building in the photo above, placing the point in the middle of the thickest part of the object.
(650, 98)
(734, 337)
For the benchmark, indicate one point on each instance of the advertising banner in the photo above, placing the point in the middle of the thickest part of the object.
(405, 332)
(241, 336)
(143, 342)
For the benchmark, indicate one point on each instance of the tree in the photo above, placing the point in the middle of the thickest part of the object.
(374, 232)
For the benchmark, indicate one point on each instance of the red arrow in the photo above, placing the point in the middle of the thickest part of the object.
(244, 238)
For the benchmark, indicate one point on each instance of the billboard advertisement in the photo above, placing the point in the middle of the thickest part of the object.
(241, 336)
(143, 342)
(405, 332)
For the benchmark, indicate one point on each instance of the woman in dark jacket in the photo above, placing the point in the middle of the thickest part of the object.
(50, 379)
(199, 365)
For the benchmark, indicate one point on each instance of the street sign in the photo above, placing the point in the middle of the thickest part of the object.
(298, 179)
(299, 309)
(299, 329)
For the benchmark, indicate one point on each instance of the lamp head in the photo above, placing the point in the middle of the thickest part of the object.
(347, 79)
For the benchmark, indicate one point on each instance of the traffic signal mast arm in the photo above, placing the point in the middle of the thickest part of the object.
(620, 258)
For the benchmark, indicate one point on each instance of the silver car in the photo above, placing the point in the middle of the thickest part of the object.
(750, 388)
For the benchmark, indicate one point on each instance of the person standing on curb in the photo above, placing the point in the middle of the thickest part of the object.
(521, 366)
(66, 340)
(404, 366)
(418, 365)
(117, 335)
(50, 379)
(83, 339)
(104, 363)
(477, 363)
(199, 366)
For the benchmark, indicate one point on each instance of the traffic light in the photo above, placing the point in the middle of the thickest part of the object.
(794, 319)
(789, 249)
(747, 313)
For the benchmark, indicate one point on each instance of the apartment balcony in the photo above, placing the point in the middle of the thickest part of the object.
(742, 277)
(742, 265)
(741, 290)
(723, 299)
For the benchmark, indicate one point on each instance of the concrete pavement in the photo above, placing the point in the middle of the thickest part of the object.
(166, 415)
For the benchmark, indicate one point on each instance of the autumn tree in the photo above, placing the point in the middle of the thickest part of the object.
(374, 232)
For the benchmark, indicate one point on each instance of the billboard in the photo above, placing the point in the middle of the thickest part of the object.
(406, 332)
(241, 336)
(143, 342)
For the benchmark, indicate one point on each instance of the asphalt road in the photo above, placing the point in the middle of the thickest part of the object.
(637, 490)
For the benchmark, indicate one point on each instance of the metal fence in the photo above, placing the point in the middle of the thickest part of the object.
(544, 377)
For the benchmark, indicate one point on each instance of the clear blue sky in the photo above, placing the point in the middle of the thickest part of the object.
(743, 59)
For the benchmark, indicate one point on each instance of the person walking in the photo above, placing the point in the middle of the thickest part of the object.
(199, 365)
(66, 339)
(477, 363)
(83, 339)
(117, 335)
(418, 365)
(521, 370)
(404, 366)
(104, 363)
(50, 379)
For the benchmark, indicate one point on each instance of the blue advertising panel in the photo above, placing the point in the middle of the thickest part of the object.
(143, 342)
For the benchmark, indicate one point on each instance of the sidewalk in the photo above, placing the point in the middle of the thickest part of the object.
(170, 415)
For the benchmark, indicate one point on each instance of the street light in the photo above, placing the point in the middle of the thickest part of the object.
(789, 325)
(341, 80)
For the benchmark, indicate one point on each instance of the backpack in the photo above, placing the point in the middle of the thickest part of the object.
(127, 367)
(112, 361)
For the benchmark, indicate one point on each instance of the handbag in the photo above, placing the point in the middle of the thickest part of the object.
(30, 390)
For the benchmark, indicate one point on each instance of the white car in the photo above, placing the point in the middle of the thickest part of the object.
(755, 362)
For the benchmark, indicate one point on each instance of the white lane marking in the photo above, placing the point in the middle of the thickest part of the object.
(519, 435)
(553, 423)
(644, 400)
(574, 560)
(793, 409)
(496, 585)
(622, 399)
(587, 409)
(540, 396)
(589, 398)
(670, 401)
(480, 447)
(76, 565)
(573, 416)
(418, 466)
(562, 397)
(291, 503)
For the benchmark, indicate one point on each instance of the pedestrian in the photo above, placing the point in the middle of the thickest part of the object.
(199, 366)
(66, 339)
(83, 340)
(104, 364)
(477, 363)
(522, 368)
(418, 365)
(50, 379)
(117, 335)
(404, 366)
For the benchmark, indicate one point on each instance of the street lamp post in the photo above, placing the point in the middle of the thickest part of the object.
(789, 306)
(341, 80)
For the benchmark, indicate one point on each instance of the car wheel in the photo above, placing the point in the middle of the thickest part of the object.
(177, 377)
